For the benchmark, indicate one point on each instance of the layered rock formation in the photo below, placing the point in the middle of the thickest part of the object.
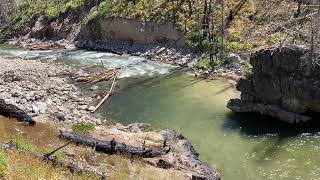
(283, 85)
(132, 31)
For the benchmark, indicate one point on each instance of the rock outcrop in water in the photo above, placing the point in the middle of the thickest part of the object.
(281, 85)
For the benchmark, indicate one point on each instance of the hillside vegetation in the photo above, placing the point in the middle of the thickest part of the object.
(245, 25)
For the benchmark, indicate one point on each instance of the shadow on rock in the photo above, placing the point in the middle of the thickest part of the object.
(256, 125)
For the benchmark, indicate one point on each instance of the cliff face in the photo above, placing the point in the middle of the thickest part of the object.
(76, 25)
(131, 30)
(6, 7)
(281, 85)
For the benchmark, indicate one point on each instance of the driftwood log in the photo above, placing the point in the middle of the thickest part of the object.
(9, 110)
(103, 76)
(110, 147)
(73, 168)
(113, 86)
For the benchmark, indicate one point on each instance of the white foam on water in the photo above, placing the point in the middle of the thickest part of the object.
(130, 65)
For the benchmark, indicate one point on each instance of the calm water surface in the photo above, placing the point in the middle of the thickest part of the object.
(242, 147)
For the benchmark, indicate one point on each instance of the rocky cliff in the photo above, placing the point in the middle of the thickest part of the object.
(132, 31)
(281, 85)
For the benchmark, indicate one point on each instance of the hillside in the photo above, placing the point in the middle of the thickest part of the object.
(249, 24)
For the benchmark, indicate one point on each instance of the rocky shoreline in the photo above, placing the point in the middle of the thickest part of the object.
(45, 92)
(177, 56)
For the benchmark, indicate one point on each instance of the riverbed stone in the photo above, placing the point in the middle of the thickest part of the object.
(82, 107)
(23, 101)
(93, 88)
(91, 108)
(39, 107)
(35, 109)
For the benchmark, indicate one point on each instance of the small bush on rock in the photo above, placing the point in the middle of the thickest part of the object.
(203, 64)
(275, 38)
(247, 69)
(52, 12)
(83, 127)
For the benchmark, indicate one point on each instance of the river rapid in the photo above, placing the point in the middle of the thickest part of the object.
(242, 147)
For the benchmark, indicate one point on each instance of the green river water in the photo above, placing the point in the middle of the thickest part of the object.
(240, 146)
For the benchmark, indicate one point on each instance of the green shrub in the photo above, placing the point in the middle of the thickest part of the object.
(204, 45)
(72, 4)
(83, 127)
(3, 162)
(235, 37)
(206, 64)
(3, 36)
(52, 12)
(104, 8)
(275, 38)
(236, 47)
(247, 69)
(194, 37)
(203, 64)
(22, 144)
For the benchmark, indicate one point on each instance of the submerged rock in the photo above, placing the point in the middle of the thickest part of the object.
(282, 85)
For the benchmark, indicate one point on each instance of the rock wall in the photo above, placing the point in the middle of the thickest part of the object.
(6, 7)
(281, 85)
(132, 31)
(66, 26)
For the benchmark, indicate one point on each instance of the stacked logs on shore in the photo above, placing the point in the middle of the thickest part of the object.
(103, 76)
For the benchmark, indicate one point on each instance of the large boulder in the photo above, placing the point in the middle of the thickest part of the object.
(282, 85)
(234, 61)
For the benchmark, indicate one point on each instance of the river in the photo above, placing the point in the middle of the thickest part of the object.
(242, 147)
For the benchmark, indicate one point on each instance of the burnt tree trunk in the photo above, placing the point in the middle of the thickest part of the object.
(110, 147)
(9, 110)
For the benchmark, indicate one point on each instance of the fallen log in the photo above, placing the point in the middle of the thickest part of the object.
(110, 147)
(54, 151)
(114, 83)
(116, 52)
(9, 110)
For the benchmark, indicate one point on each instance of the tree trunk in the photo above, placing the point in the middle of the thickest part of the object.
(9, 110)
(110, 147)
(222, 30)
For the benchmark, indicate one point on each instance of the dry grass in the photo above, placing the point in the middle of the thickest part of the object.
(20, 165)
